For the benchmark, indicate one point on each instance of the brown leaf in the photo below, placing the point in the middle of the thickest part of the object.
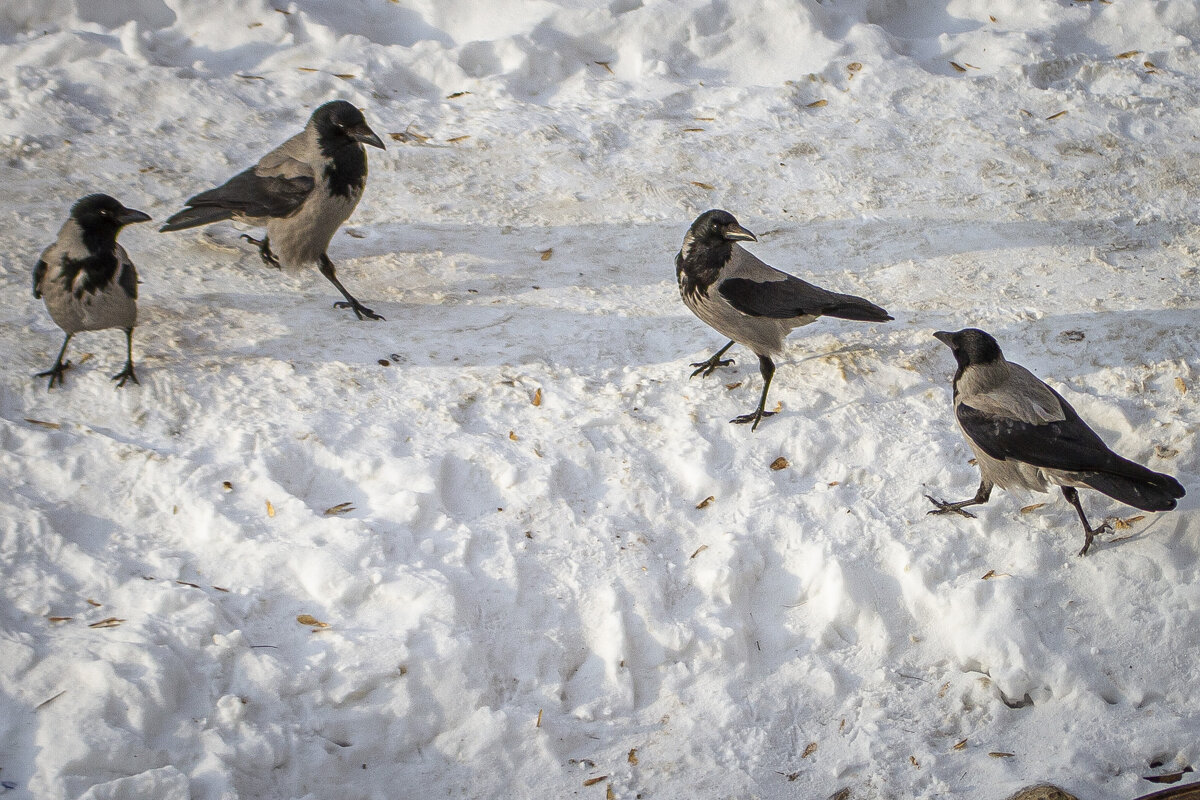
(987, 576)
(608, 793)
(706, 502)
(945, 688)
(344, 76)
(60, 619)
(514, 436)
(1181, 386)
(270, 509)
(854, 66)
(699, 550)
(1033, 507)
(632, 757)
(780, 463)
(1056, 116)
(594, 781)
(227, 486)
(808, 751)
(308, 69)
(1128, 54)
(340, 508)
(453, 95)
(51, 425)
(354, 233)
(110, 622)
(693, 130)
(706, 186)
(1148, 64)
(1126, 524)
(818, 103)
(958, 67)
(960, 745)
(605, 65)
(537, 397)
(1001, 755)
(459, 138)
(539, 719)
(188, 583)
(545, 254)
(93, 603)
(732, 386)
(309, 619)
(913, 760)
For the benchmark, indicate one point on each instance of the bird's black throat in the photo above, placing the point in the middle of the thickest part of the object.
(701, 267)
(347, 167)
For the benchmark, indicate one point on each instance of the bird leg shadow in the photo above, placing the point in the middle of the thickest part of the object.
(981, 497)
(264, 250)
(707, 367)
(350, 302)
(1089, 532)
(55, 373)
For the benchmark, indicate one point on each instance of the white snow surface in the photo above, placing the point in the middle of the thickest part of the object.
(524, 599)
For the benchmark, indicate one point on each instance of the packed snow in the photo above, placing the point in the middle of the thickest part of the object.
(501, 545)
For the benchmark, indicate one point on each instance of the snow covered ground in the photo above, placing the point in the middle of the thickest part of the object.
(523, 598)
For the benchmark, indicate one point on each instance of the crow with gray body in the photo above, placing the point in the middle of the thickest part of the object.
(750, 302)
(1026, 436)
(302, 191)
(87, 281)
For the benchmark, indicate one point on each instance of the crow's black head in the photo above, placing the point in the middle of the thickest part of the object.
(971, 346)
(339, 122)
(101, 217)
(716, 226)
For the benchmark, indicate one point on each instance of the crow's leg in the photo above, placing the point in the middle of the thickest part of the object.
(1089, 532)
(362, 311)
(127, 374)
(55, 373)
(767, 367)
(264, 250)
(981, 497)
(707, 367)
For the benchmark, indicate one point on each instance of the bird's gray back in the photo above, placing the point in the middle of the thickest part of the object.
(1005, 389)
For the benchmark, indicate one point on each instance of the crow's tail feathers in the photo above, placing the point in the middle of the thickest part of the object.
(193, 217)
(1136, 486)
(847, 306)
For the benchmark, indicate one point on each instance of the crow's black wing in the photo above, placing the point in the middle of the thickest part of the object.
(791, 297)
(255, 195)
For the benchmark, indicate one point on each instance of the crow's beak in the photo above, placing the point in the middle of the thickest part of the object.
(945, 337)
(736, 233)
(129, 216)
(365, 135)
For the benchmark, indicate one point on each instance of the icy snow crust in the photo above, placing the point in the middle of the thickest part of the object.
(524, 544)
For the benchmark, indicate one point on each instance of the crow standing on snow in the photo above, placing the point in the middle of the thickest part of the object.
(87, 280)
(301, 191)
(748, 301)
(1026, 436)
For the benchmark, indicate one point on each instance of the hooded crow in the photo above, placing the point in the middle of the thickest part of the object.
(301, 191)
(87, 280)
(1026, 436)
(750, 302)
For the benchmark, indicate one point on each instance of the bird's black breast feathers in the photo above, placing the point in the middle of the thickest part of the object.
(701, 267)
(98, 270)
(346, 169)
